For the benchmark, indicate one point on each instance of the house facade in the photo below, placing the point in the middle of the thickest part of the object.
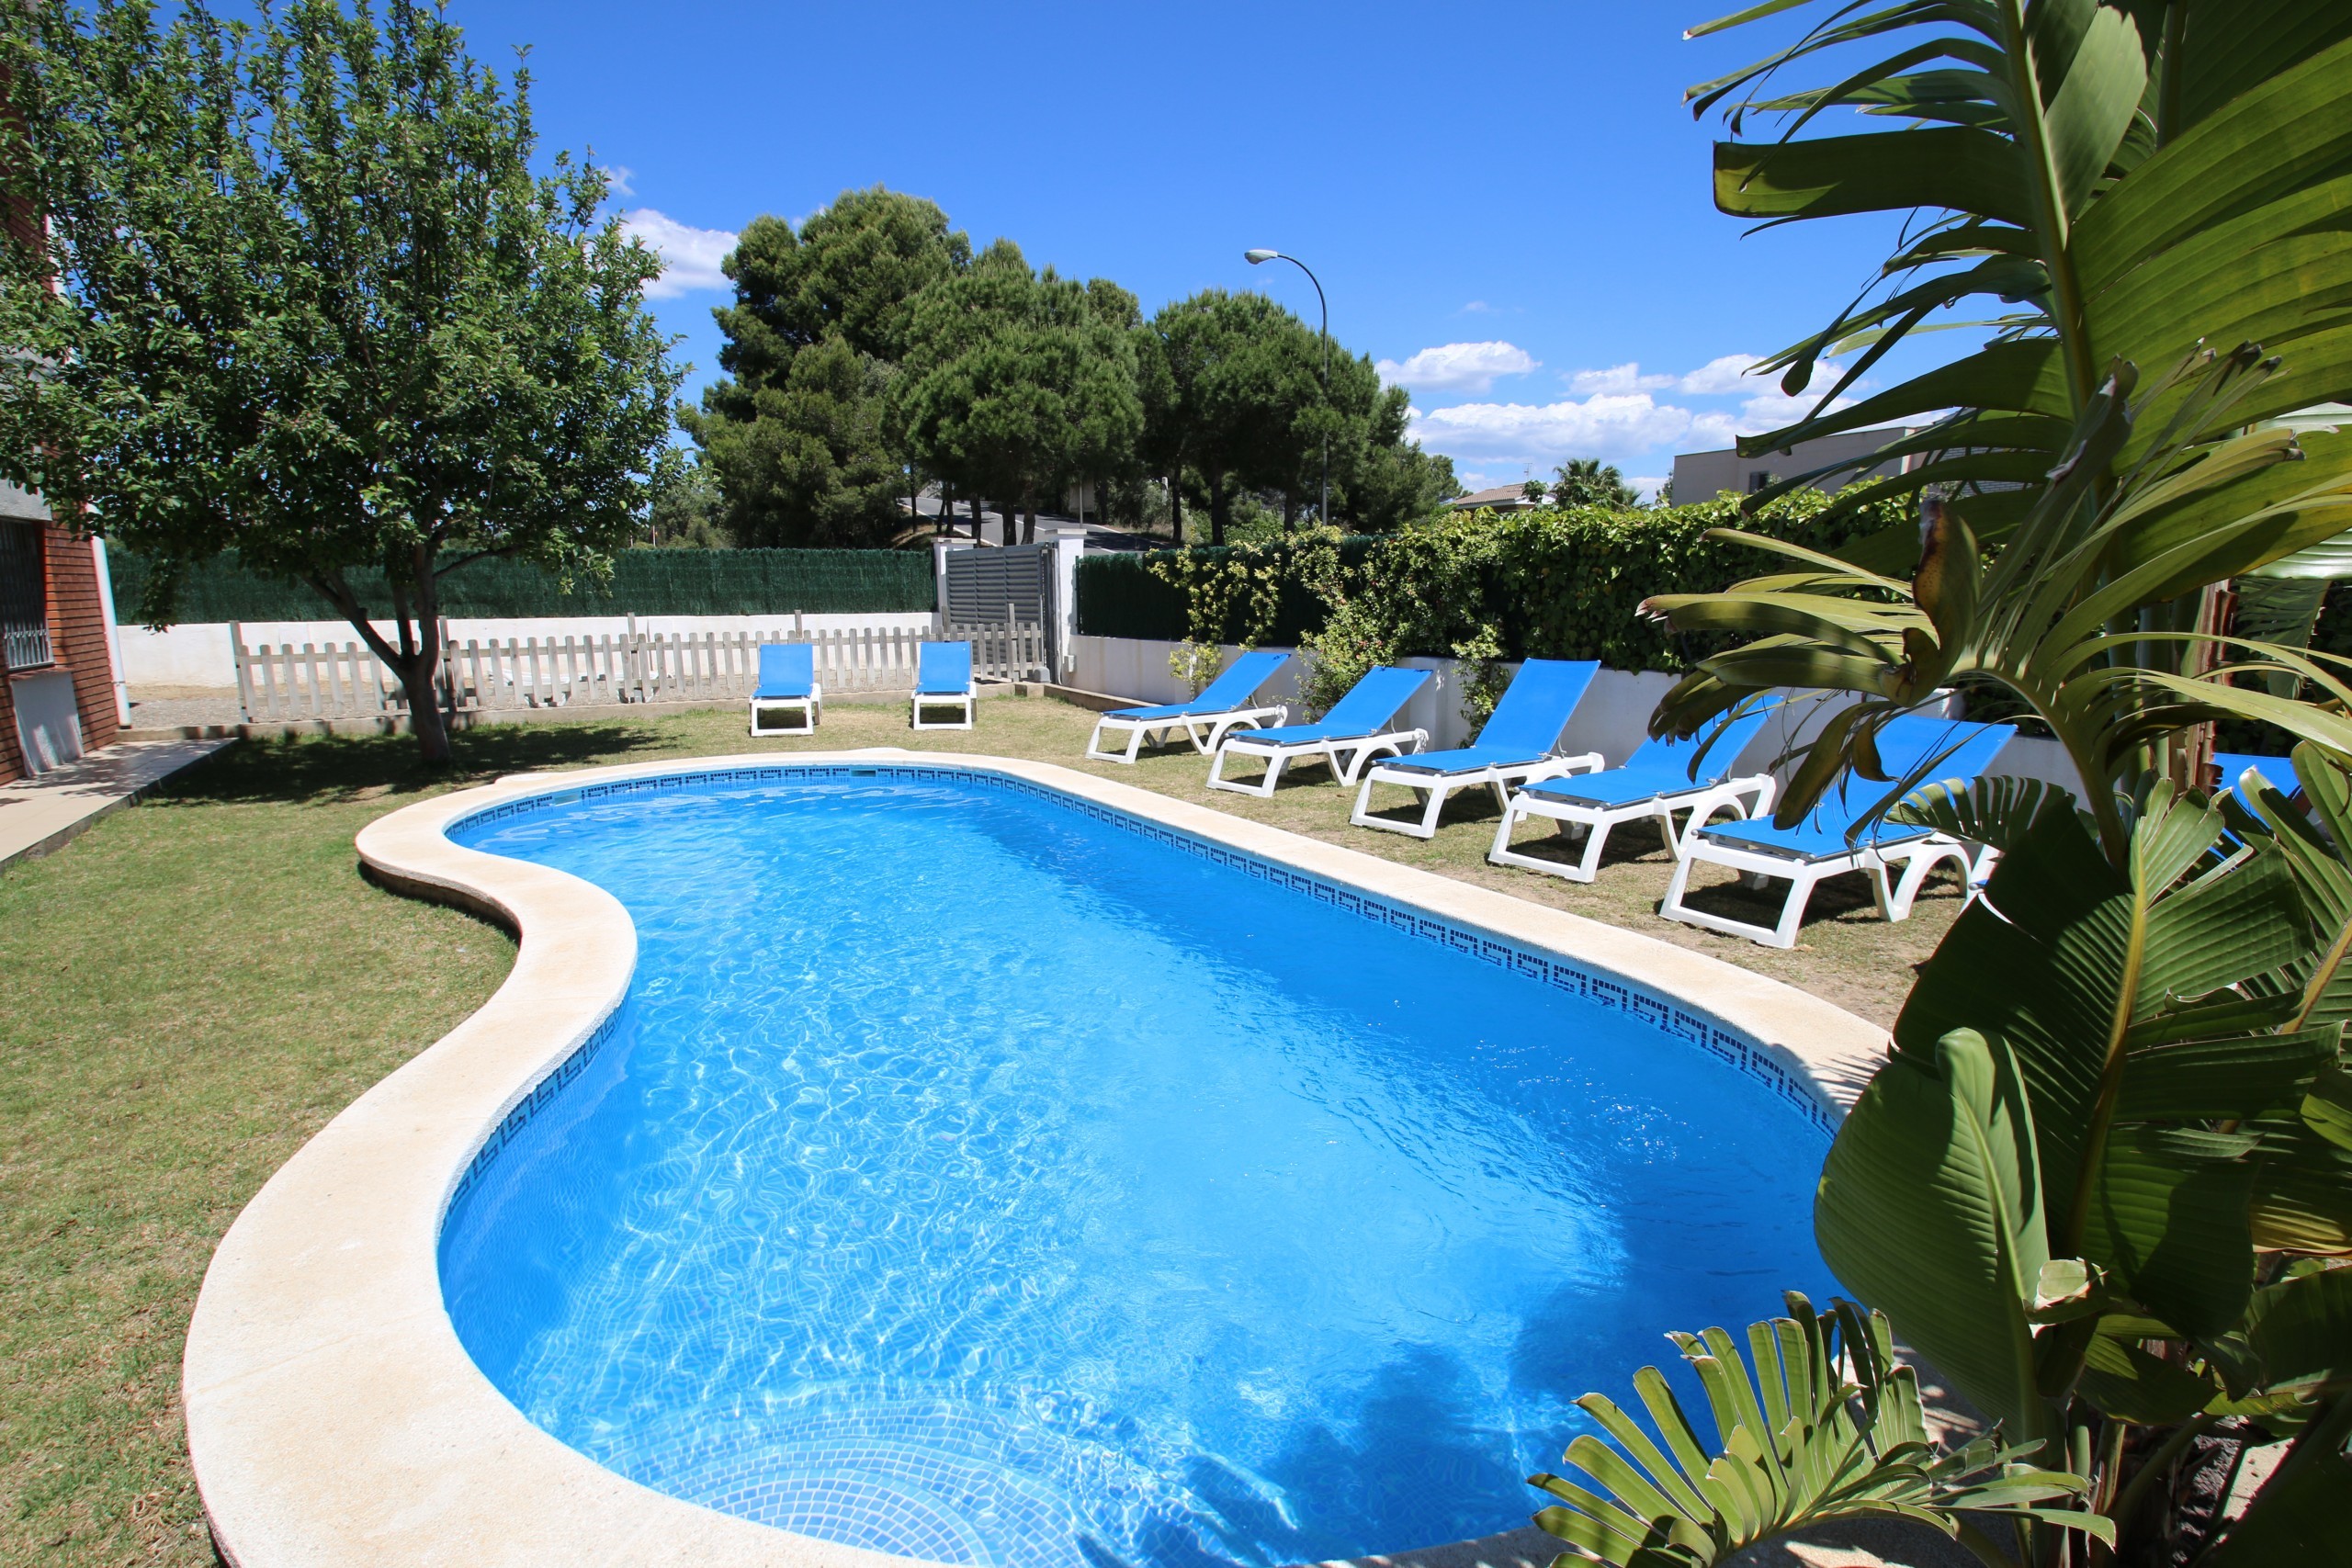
(57, 700)
(1703, 475)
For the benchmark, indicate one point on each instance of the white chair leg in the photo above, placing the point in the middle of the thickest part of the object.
(1882, 892)
(1676, 888)
(1587, 866)
(1437, 793)
(1501, 846)
(1792, 912)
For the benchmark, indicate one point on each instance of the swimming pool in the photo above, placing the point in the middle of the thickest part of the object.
(976, 1175)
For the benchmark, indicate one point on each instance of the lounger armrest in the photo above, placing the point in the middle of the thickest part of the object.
(1559, 767)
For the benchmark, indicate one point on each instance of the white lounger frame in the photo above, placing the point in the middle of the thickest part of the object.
(1356, 750)
(1434, 789)
(1917, 857)
(1702, 803)
(959, 700)
(812, 708)
(1139, 732)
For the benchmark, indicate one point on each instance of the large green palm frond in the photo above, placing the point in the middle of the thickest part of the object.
(1819, 1422)
(2128, 521)
(2111, 180)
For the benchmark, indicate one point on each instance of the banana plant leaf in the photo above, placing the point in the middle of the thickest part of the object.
(1817, 1422)
(2128, 181)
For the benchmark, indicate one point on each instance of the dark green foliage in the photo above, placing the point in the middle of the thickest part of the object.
(1120, 596)
(685, 511)
(1589, 482)
(795, 437)
(1561, 583)
(643, 583)
(1234, 391)
(1017, 384)
(313, 303)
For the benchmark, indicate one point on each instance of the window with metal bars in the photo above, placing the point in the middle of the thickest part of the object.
(24, 597)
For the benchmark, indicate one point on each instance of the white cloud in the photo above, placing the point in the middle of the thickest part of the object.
(1727, 374)
(617, 177)
(1770, 410)
(1457, 366)
(690, 256)
(1625, 377)
(1612, 425)
(1476, 307)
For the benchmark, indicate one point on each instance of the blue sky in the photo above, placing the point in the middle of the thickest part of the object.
(1507, 203)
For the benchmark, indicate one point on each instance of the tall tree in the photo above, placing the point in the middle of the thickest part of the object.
(794, 433)
(1237, 394)
(1232, 376)
(1016, 385)
(300, 295)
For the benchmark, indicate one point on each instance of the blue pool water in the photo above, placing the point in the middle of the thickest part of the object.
(973, 1179)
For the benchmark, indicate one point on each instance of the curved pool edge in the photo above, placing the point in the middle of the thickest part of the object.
(334, 1418)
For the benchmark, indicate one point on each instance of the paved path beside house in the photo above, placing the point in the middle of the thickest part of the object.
(39, 814)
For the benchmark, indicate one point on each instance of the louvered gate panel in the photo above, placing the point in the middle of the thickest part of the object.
(982, 583)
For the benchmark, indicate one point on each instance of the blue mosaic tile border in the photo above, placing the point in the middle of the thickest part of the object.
(518, 1116)
(1669, 1016)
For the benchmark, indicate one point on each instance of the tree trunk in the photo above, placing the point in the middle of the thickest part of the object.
(1176, 505)
(424, 715)
(975, 519)
(415, 662)
(1221, 508)
(1290, 511)
(1029, 515)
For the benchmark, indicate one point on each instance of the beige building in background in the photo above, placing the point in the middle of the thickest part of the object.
(1701, 475)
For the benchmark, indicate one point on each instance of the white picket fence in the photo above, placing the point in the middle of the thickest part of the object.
(347, 681)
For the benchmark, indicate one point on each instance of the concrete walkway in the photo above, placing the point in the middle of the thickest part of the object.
(41, 814)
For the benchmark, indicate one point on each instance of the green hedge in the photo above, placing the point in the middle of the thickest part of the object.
(1562, 584)
(644, 582)
(1120, 596)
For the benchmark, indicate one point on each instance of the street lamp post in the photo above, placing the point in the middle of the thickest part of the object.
(1323, 505)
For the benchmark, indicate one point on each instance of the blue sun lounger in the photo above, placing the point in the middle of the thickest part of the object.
(1654, 781)
(1816, 848)
(1224, 704)
(1514, 745)
(2279, 773)
(943, 680)
(787, 681)
(1354, 731)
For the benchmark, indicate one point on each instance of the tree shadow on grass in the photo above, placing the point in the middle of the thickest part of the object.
(330, 769)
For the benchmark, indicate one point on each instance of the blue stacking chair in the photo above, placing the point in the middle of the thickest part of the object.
(787, 681)
(943, 680)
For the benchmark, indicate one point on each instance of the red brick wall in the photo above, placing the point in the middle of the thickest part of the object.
(78, 632)
(77, 638)
(12, 760)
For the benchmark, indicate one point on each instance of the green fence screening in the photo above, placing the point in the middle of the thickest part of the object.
(644, 582)
(1119, 596)
(1565, 583)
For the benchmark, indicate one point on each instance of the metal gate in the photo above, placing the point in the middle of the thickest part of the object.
(982, 584)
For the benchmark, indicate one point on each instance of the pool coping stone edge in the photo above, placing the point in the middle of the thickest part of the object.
(334, 1418)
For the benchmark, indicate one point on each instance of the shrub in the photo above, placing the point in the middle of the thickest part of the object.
(1556, 583)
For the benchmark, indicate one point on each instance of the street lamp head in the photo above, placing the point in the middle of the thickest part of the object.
(1254, 257)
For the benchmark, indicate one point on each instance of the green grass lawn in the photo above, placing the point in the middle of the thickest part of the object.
(192, 989)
